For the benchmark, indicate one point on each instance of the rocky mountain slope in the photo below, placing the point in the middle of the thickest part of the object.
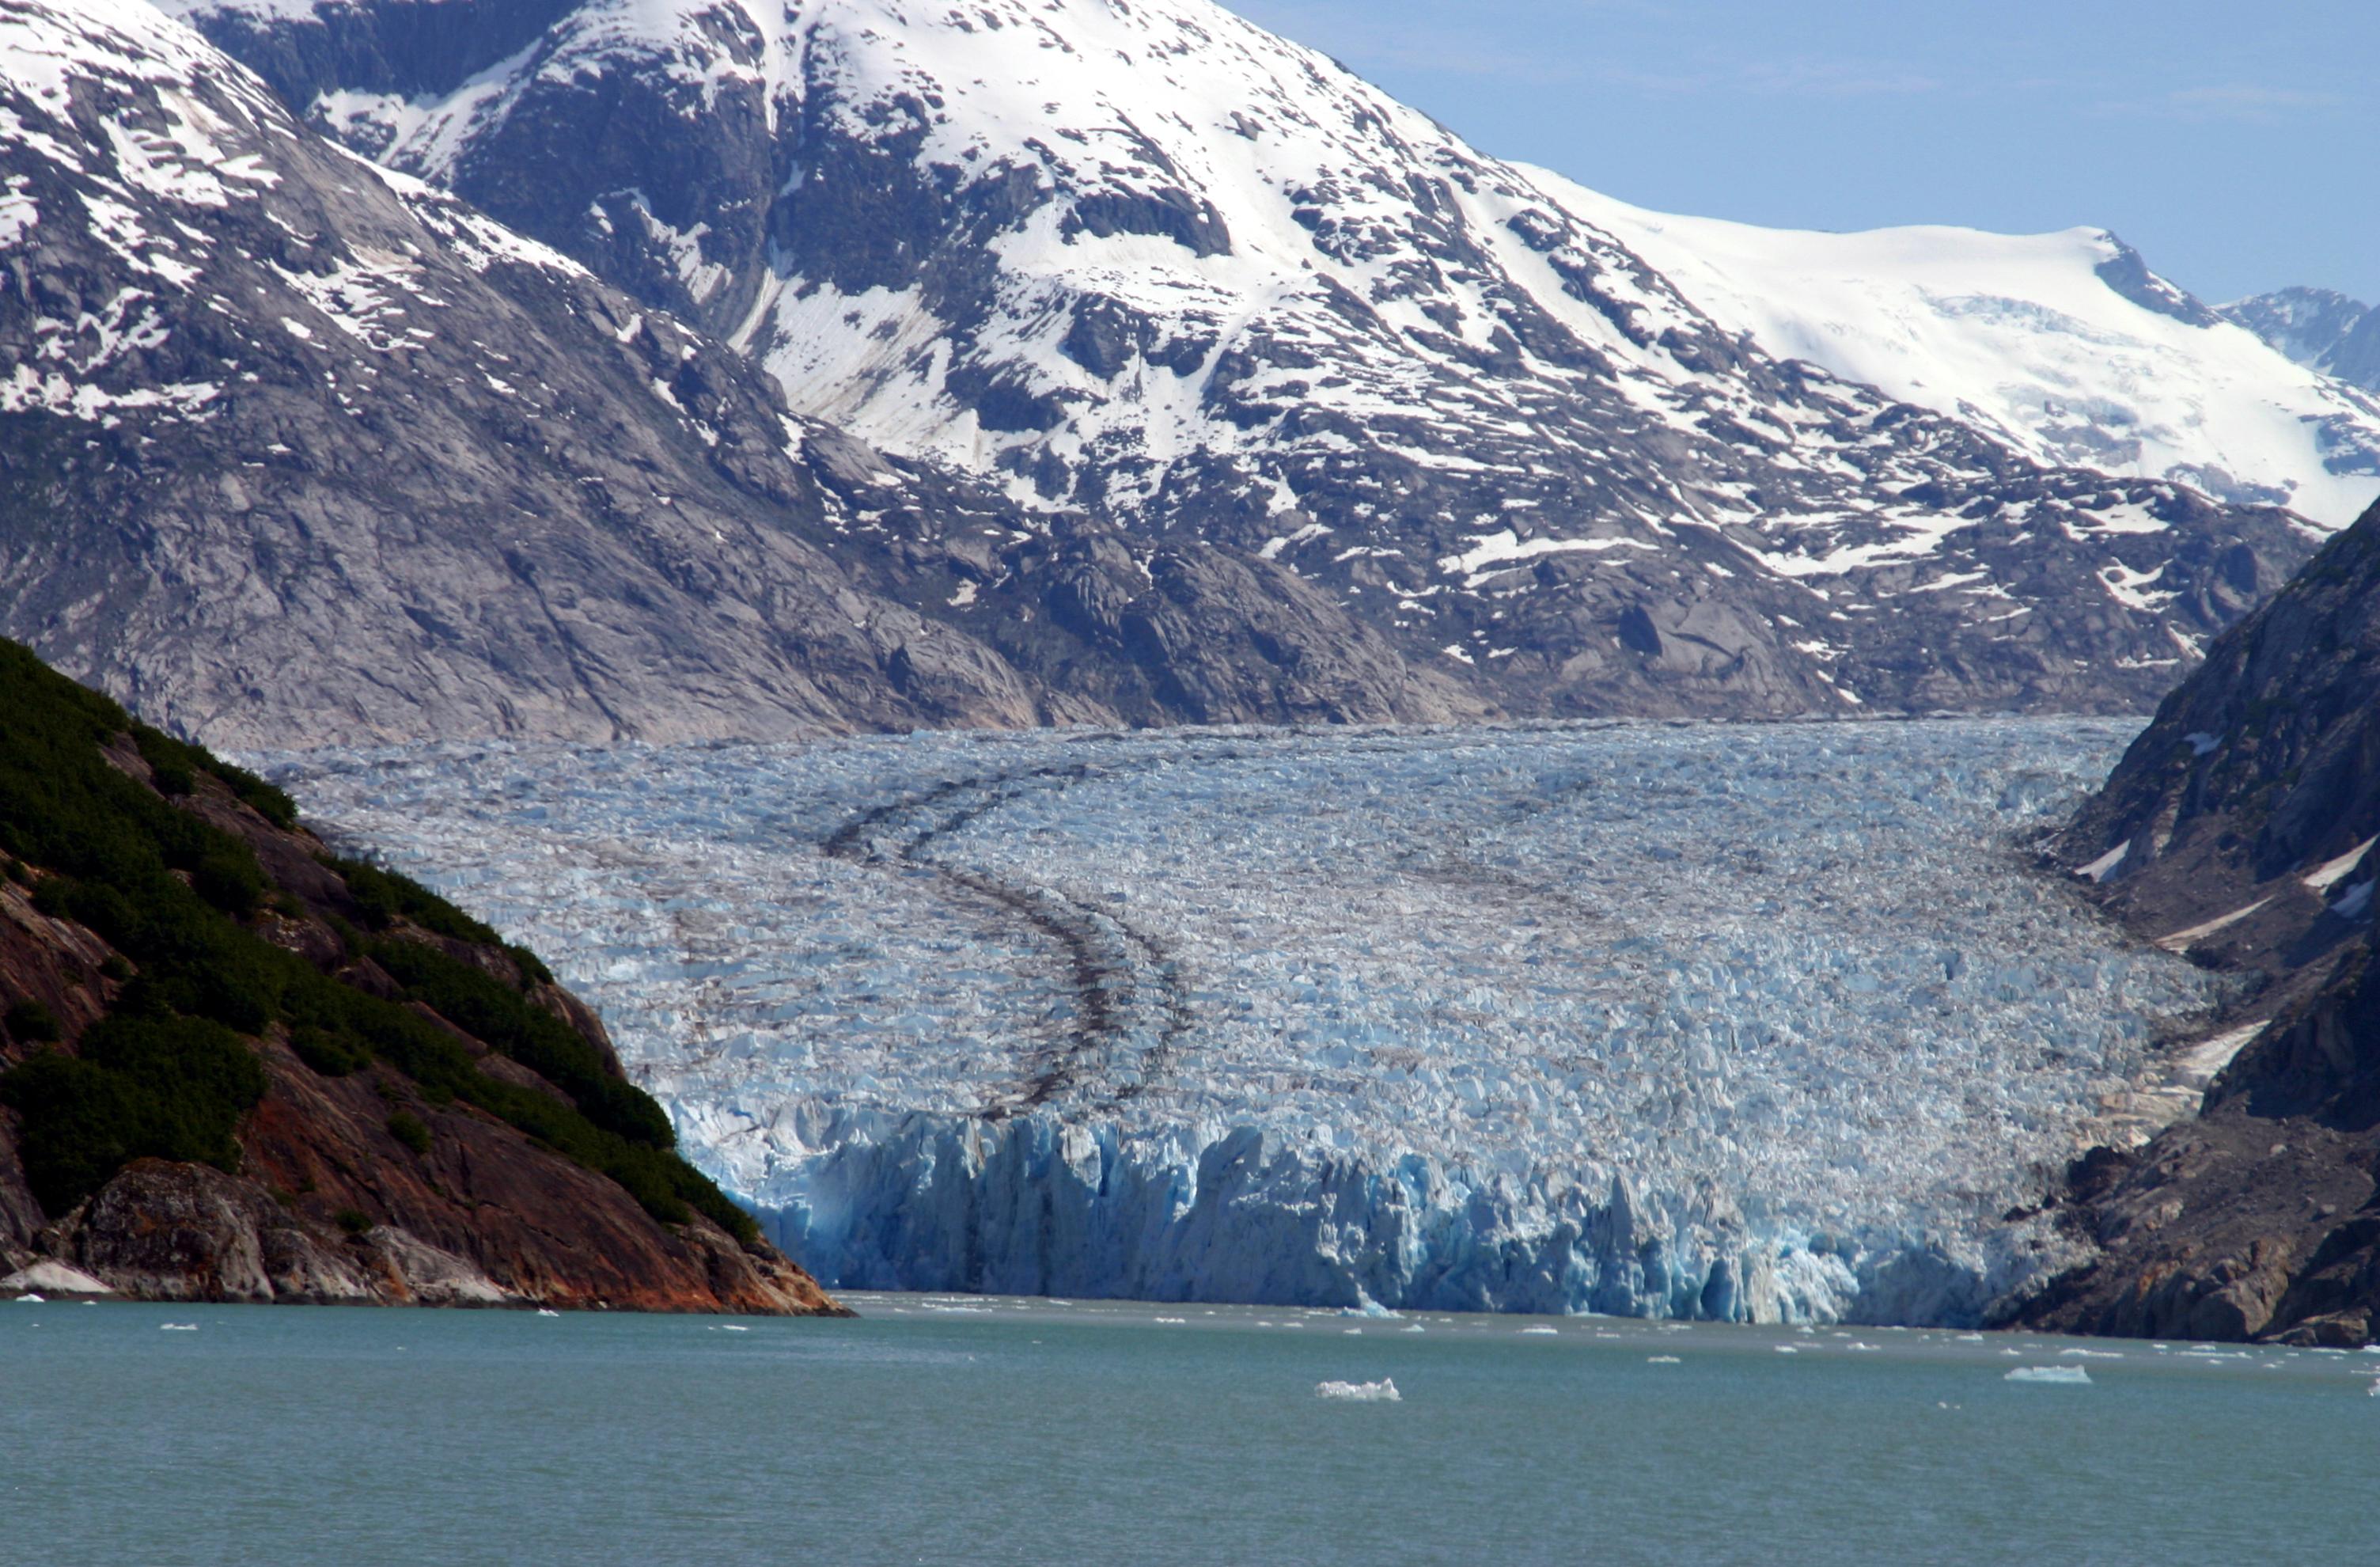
(2318, 327)
(2241, 828)
(232, 1067)
(294, 449)
(1153, 262)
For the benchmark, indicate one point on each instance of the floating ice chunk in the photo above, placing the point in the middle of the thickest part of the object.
(2093, 1353)
(1662, 1360)
(2069, 1376)
(732, 1328)
(1786, 1349)
(177, 1327)
(547, 1311)
(1170, 1321)
(1541, 1330)
(28, 1298)
(1383, 1391)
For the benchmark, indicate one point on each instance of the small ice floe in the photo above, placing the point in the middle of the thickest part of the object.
(1856, 1344)
(1786, 1349)
(182, 1328)
(732, 1328)
(1353, 1332)
(1411, 1328)
(2065, 1375)
(1662, 1360)
(1541, 1330)
(1971, 1338)
(1383, 1391)
(547, 1311)
(28, 1298)
(2092, 1353)
(1170, 1321)
(2372, 1349)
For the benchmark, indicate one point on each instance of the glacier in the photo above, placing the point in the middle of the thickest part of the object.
(1738, 1022)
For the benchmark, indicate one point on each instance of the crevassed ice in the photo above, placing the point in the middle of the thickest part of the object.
(1703, 1021)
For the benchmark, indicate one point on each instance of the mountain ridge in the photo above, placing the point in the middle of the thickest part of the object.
(2317, 327)
(295, 447)
(1154, 263)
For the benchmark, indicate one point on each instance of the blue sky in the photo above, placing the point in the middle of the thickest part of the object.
(2238, 145)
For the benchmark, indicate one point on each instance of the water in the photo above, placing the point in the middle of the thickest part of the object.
(996, 1430)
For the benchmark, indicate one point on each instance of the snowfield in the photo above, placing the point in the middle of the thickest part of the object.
(1734, 1022)
(2061, 345)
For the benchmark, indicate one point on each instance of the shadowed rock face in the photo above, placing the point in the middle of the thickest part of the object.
(2241, 828)
(294, 451)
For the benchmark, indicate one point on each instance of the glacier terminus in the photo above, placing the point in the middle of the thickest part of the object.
(1736, 1022)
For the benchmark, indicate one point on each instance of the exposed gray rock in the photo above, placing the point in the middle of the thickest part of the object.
(293, 451)
(185, 1231)
(1339, 337)
(2243, 827)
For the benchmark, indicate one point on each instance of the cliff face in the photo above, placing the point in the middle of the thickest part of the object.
(232, 1067)
(2241, 829)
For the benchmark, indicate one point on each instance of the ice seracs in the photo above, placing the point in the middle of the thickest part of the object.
(1736, 1023)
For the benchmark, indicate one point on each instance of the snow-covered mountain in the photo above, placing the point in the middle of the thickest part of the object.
(295, 447)
(1148, 260)
(2064, 346)
(2317, 327)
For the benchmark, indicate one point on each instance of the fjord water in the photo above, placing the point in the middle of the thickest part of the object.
(946, 1429)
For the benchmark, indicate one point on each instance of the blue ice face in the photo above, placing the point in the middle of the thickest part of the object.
(1704, 1020)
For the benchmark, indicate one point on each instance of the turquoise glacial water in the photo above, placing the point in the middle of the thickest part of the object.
(938, 1429)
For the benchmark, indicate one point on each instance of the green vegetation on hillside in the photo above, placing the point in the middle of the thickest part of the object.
(168, 1073)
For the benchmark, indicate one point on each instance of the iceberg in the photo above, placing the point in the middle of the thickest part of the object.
(1706, 1022)
(1383, 1391)
(2066, 1376)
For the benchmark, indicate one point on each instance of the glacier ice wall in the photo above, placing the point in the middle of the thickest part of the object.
(1726, 1022)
